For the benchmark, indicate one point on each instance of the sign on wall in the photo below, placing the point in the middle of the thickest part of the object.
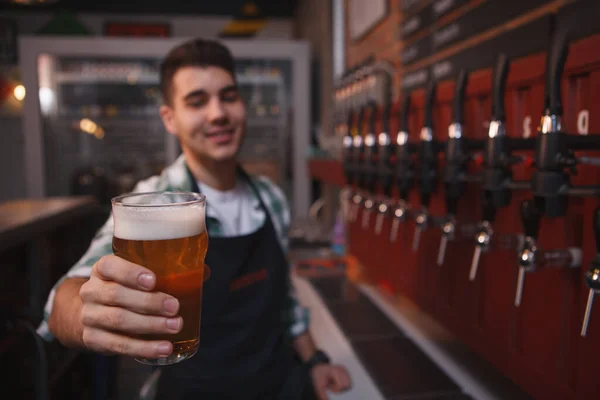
(137, 29)
(365, 15)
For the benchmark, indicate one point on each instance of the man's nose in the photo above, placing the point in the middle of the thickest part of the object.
(215, 110)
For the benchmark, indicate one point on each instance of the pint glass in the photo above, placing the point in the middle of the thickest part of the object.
(166, 233)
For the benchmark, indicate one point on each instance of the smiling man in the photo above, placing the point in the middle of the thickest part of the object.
(104, 302)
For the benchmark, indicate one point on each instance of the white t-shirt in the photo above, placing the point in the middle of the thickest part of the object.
(238, 210)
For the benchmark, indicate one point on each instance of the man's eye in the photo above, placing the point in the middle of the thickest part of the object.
(231, 96)
(196, 102)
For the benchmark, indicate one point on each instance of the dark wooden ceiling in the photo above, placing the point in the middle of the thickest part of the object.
(266, 8)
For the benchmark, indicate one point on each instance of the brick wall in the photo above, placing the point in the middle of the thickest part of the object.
(382, 42)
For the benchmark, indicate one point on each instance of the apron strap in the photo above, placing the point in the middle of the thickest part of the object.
(241, 172)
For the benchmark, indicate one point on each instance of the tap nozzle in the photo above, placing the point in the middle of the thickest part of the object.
(482, 244)
(592, 280)
(368, 204)
(421, 223)
(382, 211)
(448, 230)
(357, 200)
(530, 219)
(346, 198)
(592, 275)
(527, 263)
(400, 214)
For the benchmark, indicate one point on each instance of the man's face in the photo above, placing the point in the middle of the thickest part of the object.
(206, 113)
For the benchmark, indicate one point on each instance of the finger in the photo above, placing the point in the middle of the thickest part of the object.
(113, 268)
(114, 294)
(319, 383)
(340, 379)
(107, 342)
(125, 321)
(346, 380)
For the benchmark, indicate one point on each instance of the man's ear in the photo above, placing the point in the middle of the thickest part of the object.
(168, 119)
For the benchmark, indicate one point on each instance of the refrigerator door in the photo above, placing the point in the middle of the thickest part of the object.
(100, 122)
(95, 127)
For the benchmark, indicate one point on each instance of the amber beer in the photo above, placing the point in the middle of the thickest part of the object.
(166, 233)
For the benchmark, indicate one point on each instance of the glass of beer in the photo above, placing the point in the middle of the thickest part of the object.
(166, 233)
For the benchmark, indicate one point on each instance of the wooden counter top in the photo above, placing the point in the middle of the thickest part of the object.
(24, 219)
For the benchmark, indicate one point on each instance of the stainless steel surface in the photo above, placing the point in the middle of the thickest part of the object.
(527, 258)
(527, 255)
(384, 139)
(442, 251)
(356, 200)
(592, 280)
(421, 224)
(416, 238)
(382, 211)
(402, 138)
(496, 129)
(520, 284)
(399, 216)
(475, 263)
(426, 134)
(482, 243)
(588, 311)
(455, 131)
(367, 213)
(550, 123)
(448, 229)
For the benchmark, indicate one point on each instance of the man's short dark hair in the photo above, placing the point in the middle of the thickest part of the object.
(193, 53)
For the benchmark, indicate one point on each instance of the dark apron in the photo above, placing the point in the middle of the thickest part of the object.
(244, 352)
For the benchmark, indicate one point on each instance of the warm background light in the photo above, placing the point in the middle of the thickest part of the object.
(19, 92)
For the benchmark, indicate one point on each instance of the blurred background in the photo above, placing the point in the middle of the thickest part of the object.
(353, 108)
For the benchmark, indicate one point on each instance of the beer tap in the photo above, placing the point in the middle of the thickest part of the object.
(592, 275)
(483, 236)
(348, 158)
(498, 160)
(428, 160)
(357, 159)
(404, 169)
(555, 160)
(384, 168)
(531, 257)
(458, 155)
(369, 166)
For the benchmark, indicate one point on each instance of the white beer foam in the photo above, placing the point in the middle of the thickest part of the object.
(158, 223)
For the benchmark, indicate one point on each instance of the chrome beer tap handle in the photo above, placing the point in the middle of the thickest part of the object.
(421, 223)
(448, 230)
(483, 238)
(400, 215)
(592, 275)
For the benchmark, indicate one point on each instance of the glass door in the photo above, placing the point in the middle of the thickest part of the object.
(95, 127)
(101, 126)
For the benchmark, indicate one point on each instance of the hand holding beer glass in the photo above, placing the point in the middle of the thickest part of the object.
(165, 232)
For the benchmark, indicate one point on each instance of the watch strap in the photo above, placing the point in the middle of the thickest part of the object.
(320, 357)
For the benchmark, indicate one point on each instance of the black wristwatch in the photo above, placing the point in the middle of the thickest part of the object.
(318, 358)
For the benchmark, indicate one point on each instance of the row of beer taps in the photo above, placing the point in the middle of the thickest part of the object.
(373, 161)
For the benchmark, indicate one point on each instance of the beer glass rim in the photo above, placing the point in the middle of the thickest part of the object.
(196, 198)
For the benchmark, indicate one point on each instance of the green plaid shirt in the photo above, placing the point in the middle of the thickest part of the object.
(176, 178)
